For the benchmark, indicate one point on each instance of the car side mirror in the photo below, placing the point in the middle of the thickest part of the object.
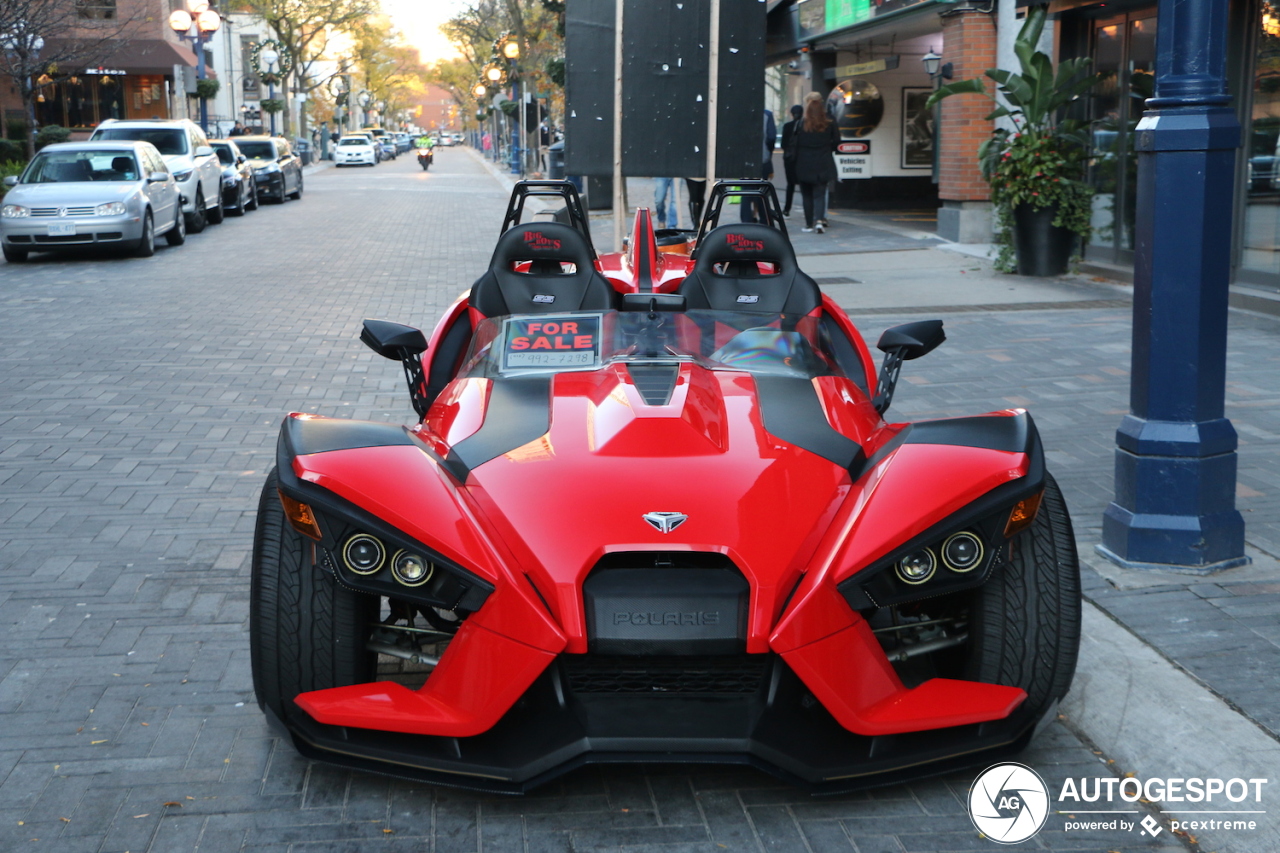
(393, 340)
(204, 151)
(899, 344)
(157, 177)
(11, 181)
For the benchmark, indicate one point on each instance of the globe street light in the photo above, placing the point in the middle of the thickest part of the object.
(271, 57)
(203, 22)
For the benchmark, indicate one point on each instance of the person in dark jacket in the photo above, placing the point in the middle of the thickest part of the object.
(788, 156)
(752, 210)
(815, 142)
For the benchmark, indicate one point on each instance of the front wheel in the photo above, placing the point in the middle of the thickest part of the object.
(252, 204)
(215, 213)
(147, 242)
(297, 193)
(306, 631)
(177, 235)
(196, 219)
(1025, 626)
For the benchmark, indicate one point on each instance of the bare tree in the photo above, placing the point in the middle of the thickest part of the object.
(37, 36)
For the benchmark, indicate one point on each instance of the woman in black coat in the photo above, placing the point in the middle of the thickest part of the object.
(815, 141)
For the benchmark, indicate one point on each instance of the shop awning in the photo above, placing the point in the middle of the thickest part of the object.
(132, 56)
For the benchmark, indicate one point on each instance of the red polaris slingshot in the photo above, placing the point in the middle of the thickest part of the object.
(653, 511)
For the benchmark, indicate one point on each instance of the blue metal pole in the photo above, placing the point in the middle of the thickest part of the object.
(200, 75)
(271, 96)
(1176, 453)
(515, 136)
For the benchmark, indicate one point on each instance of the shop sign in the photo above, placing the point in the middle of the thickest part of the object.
(112, 72)
(862, 146)
(852, 167)
(889, 63)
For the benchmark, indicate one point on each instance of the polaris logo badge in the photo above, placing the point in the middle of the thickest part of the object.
(545, 298)
(536, 240)
(665, 522)
(740, 243)
(751, 298)
(669, 617)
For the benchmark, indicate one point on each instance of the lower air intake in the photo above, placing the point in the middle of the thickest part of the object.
(678, 675)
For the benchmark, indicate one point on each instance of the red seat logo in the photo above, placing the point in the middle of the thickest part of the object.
(740, 243)
(536, 240)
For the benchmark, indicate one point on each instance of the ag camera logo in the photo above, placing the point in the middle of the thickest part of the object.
(1008, 803)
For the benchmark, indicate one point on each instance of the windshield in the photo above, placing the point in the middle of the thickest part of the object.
(170, 141)
(61, 167)
(361, 141)
(225, 157)
(761, 344)
(258, 150)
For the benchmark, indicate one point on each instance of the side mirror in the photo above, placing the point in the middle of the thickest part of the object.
(204, 151)
(157, 177)
(899, 344)
(11, 181)
(393, 340)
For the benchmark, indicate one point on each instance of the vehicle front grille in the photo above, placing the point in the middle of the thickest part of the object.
(71, 211)
(70, 238)
(711, 674)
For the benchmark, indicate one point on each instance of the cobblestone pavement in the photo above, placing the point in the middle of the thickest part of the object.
(139, 401)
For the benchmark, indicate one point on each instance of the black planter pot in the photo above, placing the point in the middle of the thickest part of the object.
(1042, 248)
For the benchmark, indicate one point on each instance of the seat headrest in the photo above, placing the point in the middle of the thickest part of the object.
(122, 164)
(746, 242)
(546, 241)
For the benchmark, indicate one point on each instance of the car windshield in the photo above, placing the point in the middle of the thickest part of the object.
(170, 141)
(258, 150)
(225, 157)
(60, 167)
(762, 344)
(354, 141)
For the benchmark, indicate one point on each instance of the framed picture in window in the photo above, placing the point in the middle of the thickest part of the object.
(917, 129)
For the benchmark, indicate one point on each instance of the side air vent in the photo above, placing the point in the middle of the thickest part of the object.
(655, 382)
(656, 675)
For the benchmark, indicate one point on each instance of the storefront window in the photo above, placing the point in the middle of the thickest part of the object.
(1261, 237)
(1124, 53)
(81, 101)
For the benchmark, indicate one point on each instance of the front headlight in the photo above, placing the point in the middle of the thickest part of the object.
(111, 208)
(13, 211)
(270, 168)
(183, 175)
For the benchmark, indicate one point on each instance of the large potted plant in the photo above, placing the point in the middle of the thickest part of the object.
(1036, 169)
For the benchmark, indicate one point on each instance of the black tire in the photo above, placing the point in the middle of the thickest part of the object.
(1025, 626)
(196, 220)
(239, 208)
(177, 235)
(13, 255)
(297, 193)
(147, 242)
(252, 204)
(306, 632)
(215, 213)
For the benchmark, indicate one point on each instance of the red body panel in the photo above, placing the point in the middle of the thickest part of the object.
(623, 269)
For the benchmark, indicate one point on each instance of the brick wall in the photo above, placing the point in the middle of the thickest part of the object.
(970, 45)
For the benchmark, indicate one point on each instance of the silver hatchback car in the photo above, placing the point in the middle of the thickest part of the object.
(78, 194)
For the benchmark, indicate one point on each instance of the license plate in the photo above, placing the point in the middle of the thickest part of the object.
(62, 229)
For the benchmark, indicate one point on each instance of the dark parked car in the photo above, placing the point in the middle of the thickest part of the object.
(276, 169)
(239, 190)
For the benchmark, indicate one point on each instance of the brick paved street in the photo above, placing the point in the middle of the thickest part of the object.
(139, 402)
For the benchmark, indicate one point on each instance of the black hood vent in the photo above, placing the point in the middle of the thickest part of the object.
(655, 382)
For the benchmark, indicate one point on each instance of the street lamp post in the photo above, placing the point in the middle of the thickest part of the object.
(196, 24)
(511, 50)
(271, 58)
(937, 73)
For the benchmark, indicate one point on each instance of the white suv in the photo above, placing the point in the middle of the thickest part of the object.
(190, 158)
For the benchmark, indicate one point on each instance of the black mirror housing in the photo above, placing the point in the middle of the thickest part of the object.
(393, 340)
(652, 302)
(913, 339)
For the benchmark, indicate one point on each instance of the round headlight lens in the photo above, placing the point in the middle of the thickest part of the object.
(363, 554)
(111, 208)
(13, 211)
(411, 569)
(962, 551)
(917, 567)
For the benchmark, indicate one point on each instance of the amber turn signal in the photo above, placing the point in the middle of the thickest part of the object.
(1024, 512)
(301, 517)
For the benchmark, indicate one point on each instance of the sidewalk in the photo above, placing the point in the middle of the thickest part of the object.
(1060, 347)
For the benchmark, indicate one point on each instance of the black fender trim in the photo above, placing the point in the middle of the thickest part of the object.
(791, 411)
(519, 411)
(992, 432)
(304, 436)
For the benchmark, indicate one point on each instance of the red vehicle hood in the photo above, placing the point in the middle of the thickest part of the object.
(581, 490)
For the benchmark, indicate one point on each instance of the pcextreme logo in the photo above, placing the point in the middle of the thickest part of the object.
(1009, 803)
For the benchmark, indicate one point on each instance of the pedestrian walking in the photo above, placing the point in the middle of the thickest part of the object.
(697, 188)
(814, 143)
(664, 203)
(237, 130)
(789, 131)
(752, 210)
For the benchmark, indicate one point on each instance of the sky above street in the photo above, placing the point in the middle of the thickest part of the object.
(420, 20)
